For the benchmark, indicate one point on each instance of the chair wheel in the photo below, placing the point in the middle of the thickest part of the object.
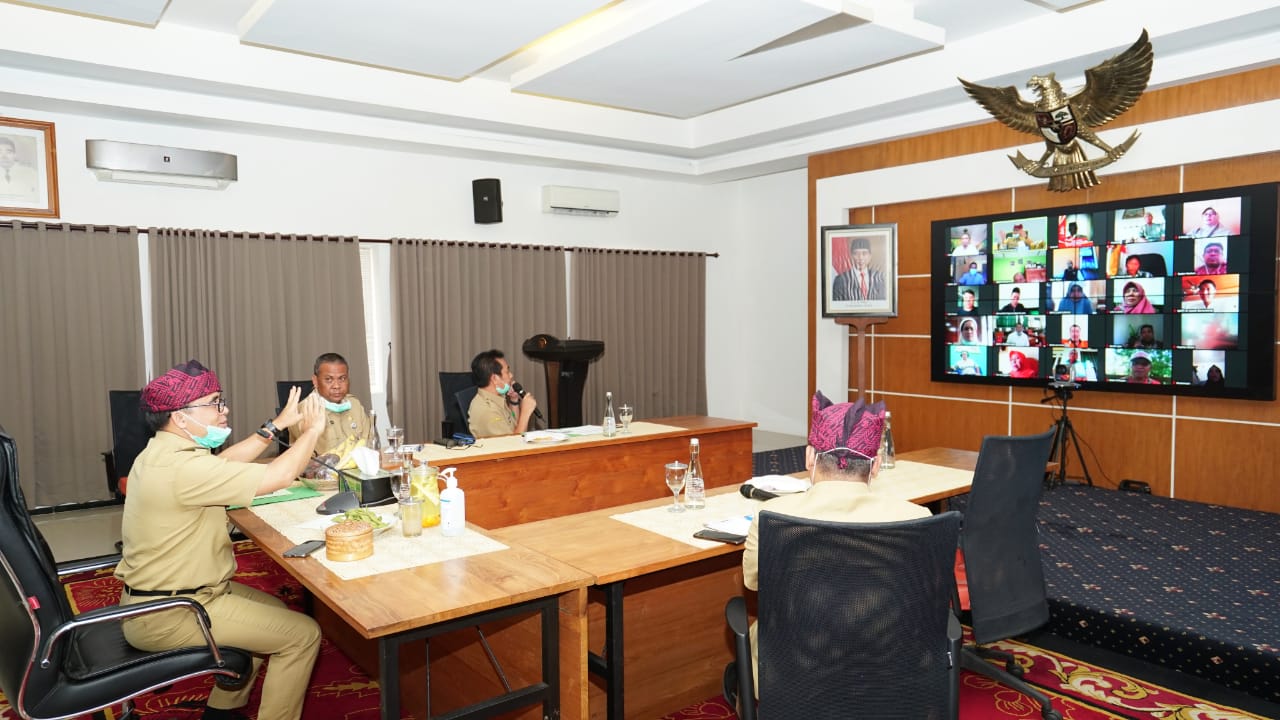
(1016, 670)
(1050, 714)
(730, 685)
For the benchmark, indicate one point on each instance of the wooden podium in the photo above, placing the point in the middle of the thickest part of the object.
(860, 326)
(566, 363)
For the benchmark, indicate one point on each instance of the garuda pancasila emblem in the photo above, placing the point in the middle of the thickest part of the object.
(1111, 88)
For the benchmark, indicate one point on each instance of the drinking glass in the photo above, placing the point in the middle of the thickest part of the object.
(675, 481)
(394, 435)
(625, 413)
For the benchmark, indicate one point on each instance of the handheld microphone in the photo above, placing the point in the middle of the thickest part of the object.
(520, 391)
(751, 491)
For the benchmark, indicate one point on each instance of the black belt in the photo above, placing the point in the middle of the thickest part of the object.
(161, 593)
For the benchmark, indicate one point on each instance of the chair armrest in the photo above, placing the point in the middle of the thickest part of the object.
(735, 612)
(99, 562)
(116, 613)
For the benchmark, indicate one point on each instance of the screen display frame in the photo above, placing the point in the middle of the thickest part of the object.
(1158, 306)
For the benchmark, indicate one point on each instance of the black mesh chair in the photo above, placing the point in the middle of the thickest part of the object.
(456, 391)
(56, 664)
(129, 435)
(1002, 555)
(855, 620)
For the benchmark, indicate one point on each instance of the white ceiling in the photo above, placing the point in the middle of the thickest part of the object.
(705, 90)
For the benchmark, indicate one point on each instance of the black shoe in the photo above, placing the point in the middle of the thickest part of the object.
(730, 682)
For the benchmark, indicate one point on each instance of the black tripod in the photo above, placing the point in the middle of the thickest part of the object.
(1064, 433)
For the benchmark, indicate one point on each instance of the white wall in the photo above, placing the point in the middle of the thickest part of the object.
(755, 290)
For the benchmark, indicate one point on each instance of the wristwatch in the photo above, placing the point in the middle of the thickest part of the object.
(268, 431)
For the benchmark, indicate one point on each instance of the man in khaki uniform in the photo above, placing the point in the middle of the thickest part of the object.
(496, 410)
(841, 457)
(344, 416)
(175, 536)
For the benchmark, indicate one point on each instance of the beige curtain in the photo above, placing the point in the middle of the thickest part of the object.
(72, 329)
(256, 309)
(649, 308)
(450, 301)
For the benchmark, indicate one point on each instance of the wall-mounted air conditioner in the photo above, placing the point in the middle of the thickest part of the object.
(159, 165)
(579, 201)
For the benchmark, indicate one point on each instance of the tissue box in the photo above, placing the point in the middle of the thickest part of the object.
(370, 489)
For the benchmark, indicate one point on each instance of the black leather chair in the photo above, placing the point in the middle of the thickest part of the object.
(283, 387)
(1002, 555)
(855, 620)
(129, 435)
(456, 392)
(56, 664)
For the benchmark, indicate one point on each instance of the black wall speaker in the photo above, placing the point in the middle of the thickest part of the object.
(486, 196)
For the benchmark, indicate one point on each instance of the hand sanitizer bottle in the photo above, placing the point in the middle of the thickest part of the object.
(453, 506)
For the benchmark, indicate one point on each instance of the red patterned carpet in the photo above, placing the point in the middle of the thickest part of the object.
(341, 691)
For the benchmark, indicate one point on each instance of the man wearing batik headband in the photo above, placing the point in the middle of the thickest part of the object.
(841, 459)
(175, 536)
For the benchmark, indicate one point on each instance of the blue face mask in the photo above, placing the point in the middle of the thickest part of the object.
(213, 437)
(341, 407)
(503, 389)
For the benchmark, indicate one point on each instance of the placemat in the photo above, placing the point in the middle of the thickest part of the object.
(440, 456)
(391, 550)
(682, 526)
(294, 492)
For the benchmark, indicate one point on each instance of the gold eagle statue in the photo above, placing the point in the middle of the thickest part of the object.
(1111, 87)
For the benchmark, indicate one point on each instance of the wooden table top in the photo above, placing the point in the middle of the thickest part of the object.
(393, 602)
(612, 550)
(511, 446)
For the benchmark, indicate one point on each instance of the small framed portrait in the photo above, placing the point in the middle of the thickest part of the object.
(860, 270)
(28, 168)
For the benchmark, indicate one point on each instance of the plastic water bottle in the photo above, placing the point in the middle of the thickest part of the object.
(887, 457)
(610, 423)
(453, 506)
(695, 490)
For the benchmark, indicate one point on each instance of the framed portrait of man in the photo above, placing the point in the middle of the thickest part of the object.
(860, 270)
(28, 168)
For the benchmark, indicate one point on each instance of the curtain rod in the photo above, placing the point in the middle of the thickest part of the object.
(80, 227)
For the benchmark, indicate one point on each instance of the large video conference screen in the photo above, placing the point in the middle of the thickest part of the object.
(1162, 295)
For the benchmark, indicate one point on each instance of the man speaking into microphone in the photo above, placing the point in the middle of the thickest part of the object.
(498, 409)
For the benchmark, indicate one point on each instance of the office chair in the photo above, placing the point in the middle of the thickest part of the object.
(1001, 555)
(129, 435)
(59, 665)
(456, 391)
(855, 620)
(282, 396)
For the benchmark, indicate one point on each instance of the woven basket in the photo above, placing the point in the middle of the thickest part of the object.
(350, 540)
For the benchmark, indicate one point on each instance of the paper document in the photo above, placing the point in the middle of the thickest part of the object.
(736, 525)
(780, 484)
(581, 430)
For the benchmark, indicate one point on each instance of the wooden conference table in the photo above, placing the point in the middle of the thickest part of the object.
(675, 593)
(508, 481)
(406, 606)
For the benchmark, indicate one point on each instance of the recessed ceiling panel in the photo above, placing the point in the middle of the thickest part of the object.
(142, 12)
(443, 39)
(718, 55)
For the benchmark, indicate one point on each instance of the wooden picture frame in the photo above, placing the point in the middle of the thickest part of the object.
(860, 270)
(28, 168)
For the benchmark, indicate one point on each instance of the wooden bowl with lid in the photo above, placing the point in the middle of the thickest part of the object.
(350, 540)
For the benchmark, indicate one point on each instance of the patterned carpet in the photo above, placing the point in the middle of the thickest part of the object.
(340, 690)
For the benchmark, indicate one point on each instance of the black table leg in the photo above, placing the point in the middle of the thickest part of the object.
(610, 665)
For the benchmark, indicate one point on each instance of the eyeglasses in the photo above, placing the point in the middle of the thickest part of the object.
(220, 404)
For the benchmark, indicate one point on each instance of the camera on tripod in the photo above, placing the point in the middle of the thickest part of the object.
(1062, 389)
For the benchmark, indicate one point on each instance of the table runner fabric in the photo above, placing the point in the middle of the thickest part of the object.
(907, 480)
(441, 456)
(682, 526)
(391, 550)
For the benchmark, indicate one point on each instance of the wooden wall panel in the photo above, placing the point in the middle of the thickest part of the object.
(1116, 447)
(922, 422)
(1127, 436)
(1226, 464)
